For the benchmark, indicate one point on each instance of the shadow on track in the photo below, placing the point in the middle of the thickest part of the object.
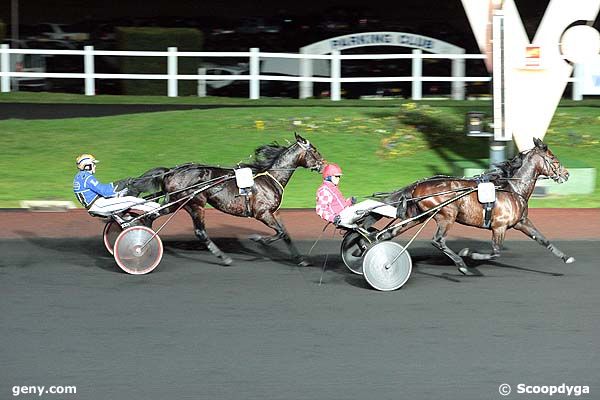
(325, 257)
(74, 250)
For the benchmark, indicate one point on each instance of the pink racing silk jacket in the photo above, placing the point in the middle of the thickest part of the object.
(330, 201)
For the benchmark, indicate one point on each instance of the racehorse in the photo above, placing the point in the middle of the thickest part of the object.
(514, 180)
(149, 182)
(272, 169)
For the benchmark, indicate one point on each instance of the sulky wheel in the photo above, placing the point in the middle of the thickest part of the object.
(352, 250)
(138, 250)
(112, 229)
(387, 266)
(111, 232)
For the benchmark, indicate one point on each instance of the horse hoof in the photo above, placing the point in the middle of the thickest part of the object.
(464, 252)
(304, 263)
(469, 271)
(227, 261)
(570, 260)
(255, 238)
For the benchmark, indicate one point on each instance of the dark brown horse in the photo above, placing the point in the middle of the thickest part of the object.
(272, 171)
(514, 181)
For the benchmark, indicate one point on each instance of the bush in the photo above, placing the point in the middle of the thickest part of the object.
(158, 39)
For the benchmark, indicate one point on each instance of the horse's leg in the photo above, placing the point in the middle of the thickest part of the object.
(273, 222)
(527, 227)
(196, 211)
(439, 241)
(497, 240)
(392, 233)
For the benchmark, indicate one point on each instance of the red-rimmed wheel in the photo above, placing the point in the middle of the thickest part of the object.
(138, 250)
(111, 232)
(112, 229)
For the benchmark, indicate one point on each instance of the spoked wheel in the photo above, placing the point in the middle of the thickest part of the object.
(353, 249)
(112, 229)
(138, 250)
(387, 266)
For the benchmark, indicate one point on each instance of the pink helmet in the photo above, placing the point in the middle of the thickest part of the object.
(331, 170)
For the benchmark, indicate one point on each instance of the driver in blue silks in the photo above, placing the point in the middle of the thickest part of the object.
(101, 198)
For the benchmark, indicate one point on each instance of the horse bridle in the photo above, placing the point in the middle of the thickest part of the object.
(553, 166)
(307, 151)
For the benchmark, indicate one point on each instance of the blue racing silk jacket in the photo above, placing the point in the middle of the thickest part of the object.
(87, 188)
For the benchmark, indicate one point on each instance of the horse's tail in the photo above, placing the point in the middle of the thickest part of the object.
(151, 181)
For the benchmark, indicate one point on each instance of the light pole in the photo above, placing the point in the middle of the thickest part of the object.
(501, 134)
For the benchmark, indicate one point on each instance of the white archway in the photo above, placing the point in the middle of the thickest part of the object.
(367, 39)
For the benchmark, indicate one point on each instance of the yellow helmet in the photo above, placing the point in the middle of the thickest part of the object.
(85, 160)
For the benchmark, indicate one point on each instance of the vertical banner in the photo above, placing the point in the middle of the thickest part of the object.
(532, 92)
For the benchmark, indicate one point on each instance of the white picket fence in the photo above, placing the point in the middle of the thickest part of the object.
(254, 77)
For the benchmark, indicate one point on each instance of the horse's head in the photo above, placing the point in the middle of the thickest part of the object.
(549, 164)
(309, 156)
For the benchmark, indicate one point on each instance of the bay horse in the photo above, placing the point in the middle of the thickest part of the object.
(514, 181)
(272, 169)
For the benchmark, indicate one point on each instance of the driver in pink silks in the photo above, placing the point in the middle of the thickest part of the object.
(333, 207)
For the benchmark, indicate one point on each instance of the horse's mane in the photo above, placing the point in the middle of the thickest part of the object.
(264, 157)
(505, 169)
(500, 174)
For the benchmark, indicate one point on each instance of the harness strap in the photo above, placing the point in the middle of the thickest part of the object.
(266, 173)
(487, 214)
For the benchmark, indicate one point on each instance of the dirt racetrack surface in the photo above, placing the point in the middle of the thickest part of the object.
(555, 224)
(264, 328)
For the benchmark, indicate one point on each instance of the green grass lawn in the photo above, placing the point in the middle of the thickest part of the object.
(377, 150)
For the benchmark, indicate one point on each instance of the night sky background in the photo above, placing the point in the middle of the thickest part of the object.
(35, 11)
(418, 16)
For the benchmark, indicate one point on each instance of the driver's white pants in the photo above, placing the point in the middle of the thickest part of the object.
(353, 213)
(108, 206)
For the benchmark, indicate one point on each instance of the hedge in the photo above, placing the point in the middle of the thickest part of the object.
(158, 39)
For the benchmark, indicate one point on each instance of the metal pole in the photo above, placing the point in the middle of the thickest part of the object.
(417, 74)
(497, 151)
(5, 68)
(497, 144)
(335, 76)
(201, 83)
(88, 67)
(306, 68)
(254, 73)
(458, 71)
(172, 72)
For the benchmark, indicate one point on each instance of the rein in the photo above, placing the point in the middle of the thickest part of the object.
(223, 178)
(431, 210)
(380, 194)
